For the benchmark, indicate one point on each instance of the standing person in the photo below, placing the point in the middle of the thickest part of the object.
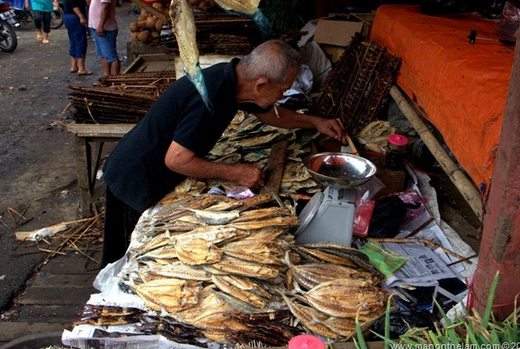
(42, 14)
(75, 18)
(170, 143)
(103, 26)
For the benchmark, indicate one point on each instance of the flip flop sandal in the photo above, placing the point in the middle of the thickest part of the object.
(88, 72)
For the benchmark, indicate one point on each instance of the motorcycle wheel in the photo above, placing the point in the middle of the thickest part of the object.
(57, 18)
(8, 39)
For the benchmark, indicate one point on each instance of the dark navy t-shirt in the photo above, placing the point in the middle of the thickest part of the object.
(135, 171)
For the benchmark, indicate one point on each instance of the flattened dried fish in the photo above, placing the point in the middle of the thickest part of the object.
(262, 213)
(345, 297)
(295, 172)
(237, 266)
(250, 9)
(309, 317)
(287, 222)
(227, 285)
(197, 251)
(169, 294)
(216, 217)
(211, 233)
(312, 274)
(254, 251)
(183, 26)
(179, 270)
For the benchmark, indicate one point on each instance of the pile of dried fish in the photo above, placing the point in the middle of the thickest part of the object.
(229, 270)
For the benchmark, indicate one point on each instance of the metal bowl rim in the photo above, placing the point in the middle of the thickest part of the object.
(357, 157)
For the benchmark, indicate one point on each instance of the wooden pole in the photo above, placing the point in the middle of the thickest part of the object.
(500, 244)
(459, 179)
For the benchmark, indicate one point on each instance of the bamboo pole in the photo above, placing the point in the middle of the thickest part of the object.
(458, 178)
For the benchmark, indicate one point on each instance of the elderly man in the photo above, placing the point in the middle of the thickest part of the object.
(170, 143)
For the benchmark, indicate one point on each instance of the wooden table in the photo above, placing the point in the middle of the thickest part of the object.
(88, 160)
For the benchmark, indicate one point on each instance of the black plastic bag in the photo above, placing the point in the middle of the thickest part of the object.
(389, 213)
(402, 320)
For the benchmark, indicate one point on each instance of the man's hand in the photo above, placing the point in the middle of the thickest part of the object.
(100, 31)
(248, 175)
(331, 128)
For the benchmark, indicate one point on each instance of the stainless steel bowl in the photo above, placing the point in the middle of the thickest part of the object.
(340, 170)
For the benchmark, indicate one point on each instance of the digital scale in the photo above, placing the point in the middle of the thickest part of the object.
(329, 215)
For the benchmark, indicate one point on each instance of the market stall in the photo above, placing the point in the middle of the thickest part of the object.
(213, 263)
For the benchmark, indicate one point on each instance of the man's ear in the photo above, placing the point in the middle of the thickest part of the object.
(261, 83)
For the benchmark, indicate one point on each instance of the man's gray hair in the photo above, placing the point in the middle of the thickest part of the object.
(274, 59)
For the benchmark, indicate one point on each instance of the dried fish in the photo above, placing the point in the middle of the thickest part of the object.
(210, 233)
(197, 251)
(179, 270)
(216, 217)
(295, 172)
(249, 8)
(286, 222)
(229, 285)
(261, 213)
(326, 257)
(169, 294)
(109, 315)
(183, 26)
(312, 274)
(309, 317)
(345, 297)
(239, 267)
(254, 251)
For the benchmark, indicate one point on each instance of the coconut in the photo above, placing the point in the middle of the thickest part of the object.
(134, 27)
(158, 25)
(144, 36)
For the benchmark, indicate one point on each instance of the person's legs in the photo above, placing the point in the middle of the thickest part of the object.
(115, 67)
(99, 42)
(37, 16)
(46, 22)
(78, 43)
(82, 70)
(120, 221)
(110, 60)
(73, 64)
(105, 66)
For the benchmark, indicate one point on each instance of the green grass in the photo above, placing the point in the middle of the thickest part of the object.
(469, 329)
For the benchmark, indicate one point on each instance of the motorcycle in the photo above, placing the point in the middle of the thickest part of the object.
(25, 16)
(8, 39)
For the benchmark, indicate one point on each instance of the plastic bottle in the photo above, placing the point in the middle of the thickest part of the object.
(306, 341)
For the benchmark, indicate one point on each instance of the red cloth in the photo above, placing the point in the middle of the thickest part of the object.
(460, 87)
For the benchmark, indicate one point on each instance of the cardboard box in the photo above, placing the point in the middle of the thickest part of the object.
(336, 31)
(334, 34)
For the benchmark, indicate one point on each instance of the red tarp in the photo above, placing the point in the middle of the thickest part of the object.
(461, 88)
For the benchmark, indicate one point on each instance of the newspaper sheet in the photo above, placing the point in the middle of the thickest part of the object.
(117, 337)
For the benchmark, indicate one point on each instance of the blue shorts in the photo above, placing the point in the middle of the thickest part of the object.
(106, 47)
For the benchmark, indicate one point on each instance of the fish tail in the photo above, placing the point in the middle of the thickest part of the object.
(261, 21)
(197, 78)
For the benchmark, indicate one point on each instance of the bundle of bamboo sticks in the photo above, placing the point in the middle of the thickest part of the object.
(124, 98)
